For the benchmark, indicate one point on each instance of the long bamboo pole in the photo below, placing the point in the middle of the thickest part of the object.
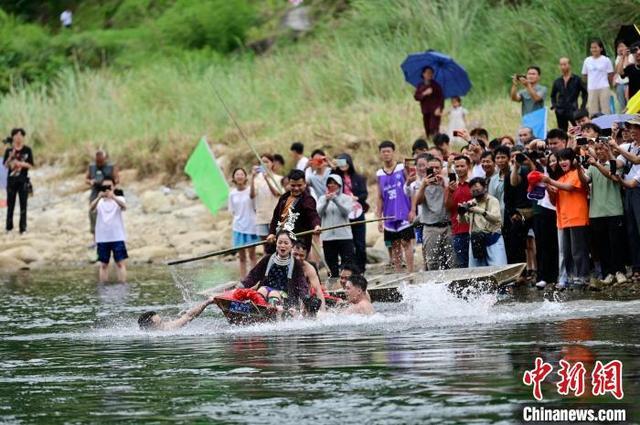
(238, 248)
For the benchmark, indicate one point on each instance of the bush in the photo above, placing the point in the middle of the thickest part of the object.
(219, 24)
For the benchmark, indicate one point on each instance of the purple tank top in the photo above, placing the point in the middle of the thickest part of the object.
(394, 201)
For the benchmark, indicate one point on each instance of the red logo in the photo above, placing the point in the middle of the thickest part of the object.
(571, 378)
(536, 376)
(605, 378)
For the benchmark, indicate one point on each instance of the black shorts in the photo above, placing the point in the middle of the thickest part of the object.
(403, 235)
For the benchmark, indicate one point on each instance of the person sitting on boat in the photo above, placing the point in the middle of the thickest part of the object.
(151, 321)
(356, 291)
(279, 277)
(316, 301)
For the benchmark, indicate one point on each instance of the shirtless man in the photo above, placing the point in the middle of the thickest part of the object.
(151, 321)
(356, 290)
(310, 272)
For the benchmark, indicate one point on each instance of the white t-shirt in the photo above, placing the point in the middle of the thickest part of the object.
(265, 201)
(628, 147)
(66, 17)
(597, 71)
(302, 163)
(478, 171)
(634, 173)
(243, 210)
(109, 223)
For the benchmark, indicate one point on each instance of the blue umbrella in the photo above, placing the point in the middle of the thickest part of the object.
(605, 121)
(452, 77)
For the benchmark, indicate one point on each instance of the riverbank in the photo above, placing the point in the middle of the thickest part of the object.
(162, 223)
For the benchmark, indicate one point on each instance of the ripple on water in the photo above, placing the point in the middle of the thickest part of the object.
(74, 351)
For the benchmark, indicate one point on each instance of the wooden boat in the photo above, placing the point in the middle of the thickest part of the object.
(244, 312)
(382, 288)
(385, 287)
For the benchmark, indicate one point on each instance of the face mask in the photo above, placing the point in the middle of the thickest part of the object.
(477, 193)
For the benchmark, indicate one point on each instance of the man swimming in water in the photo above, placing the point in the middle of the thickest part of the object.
(356, 291)
(346, 272)
(151, 321)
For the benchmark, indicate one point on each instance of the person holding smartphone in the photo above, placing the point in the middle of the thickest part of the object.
(532, 94)
(110, 232)
(437, 250)
(355, 185)
(264, 191)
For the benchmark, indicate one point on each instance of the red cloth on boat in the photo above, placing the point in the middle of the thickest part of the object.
(247, 294)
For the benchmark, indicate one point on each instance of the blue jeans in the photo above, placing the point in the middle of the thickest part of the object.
(622, 101)
(461, 248)
(496, 255)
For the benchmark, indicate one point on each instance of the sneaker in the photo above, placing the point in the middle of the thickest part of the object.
(609, 279)
(541, 284)
(621, 278)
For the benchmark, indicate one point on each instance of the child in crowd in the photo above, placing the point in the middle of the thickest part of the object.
(457, 115)
(242, 208)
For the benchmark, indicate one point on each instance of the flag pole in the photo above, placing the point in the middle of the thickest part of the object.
(238, 248)
(246, 140)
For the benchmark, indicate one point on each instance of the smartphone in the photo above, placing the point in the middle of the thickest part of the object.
(581, 141)
(613, 166)
(452, 177)
(457, 133)
(341, 162)
(261, 169)
(429, 172)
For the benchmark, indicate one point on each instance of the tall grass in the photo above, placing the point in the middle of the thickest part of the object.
(341, 87)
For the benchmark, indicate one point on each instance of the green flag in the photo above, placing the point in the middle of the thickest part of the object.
(207, 178)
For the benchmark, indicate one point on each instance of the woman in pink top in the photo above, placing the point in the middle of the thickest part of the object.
(572, 208)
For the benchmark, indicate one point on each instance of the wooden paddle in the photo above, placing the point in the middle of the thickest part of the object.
(238, 248)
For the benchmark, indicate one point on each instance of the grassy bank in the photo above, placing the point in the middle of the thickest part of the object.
(339, 87)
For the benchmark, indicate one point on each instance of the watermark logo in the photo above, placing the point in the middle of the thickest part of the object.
(605, 378)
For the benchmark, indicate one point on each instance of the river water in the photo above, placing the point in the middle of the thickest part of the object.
(70, 352)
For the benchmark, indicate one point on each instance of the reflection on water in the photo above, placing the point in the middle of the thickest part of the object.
(70, 350)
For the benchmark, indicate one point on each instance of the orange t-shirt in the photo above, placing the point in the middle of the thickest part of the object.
(572, 207)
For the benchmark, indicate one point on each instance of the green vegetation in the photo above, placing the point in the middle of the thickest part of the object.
(145, 86)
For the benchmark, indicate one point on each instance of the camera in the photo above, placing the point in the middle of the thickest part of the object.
(603, 139)
(584, 161)
(535, 155)
(463, 209)
(520, 158)
(103, 188)
(581, 141)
